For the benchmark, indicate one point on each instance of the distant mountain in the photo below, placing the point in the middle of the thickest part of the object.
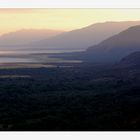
(85, 37)
(115, 47)
(25, 36)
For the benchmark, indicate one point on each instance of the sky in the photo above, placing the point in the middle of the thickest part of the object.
(61, 19)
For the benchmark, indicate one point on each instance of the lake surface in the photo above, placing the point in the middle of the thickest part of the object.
(33, 56)
(32, 51)
(14, 60)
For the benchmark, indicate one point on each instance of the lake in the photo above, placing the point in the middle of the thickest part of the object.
(33, 56)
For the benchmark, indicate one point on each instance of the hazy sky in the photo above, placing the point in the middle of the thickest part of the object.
(61, 19)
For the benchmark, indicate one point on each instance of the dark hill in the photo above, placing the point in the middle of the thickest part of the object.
(132, 60)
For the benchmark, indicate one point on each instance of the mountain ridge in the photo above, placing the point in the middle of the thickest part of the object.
(26, 36)
(117, 46)
(85, 37)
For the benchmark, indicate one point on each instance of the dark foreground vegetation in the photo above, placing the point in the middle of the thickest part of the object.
(84, 97)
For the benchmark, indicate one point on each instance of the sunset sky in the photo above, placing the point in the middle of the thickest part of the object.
(60, 19)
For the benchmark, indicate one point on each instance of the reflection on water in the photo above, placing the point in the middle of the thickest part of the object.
(32, 51)
(14, 60)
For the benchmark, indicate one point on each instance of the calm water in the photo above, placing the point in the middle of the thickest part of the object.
(33, 51)
(25, 56)
(14, 60)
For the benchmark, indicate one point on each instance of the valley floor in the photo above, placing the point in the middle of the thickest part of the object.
(80, 97)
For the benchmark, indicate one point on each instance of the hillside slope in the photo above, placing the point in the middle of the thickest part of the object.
(115, 47)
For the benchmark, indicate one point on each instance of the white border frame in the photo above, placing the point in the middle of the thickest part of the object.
(70, 4)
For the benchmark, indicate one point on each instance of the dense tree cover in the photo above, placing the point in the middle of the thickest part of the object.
(84, 97)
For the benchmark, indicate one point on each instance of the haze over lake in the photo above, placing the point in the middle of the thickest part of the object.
(32, 55)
